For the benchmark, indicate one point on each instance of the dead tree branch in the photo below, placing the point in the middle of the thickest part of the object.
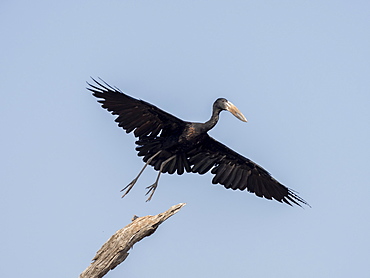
(115, 250)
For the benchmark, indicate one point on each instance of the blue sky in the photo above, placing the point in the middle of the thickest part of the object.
(298, 70)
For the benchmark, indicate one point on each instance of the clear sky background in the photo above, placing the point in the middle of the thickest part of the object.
(298, 70)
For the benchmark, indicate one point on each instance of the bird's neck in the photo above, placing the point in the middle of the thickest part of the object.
(208, 125)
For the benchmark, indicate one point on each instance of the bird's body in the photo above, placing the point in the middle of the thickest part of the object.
(171, 145)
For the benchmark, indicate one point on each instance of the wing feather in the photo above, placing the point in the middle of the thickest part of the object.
(235, 171)
(135, 115)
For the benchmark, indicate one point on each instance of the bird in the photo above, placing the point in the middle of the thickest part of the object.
(171, 145)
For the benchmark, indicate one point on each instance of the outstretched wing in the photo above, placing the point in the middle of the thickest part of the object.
(235, 171)
(141, 117)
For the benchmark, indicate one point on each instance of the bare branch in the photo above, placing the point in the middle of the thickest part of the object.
(115, 250)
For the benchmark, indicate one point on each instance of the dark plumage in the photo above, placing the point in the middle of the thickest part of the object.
(172, 145)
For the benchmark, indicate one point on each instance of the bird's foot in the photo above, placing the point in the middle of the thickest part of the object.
(151, 190)
(128, 187)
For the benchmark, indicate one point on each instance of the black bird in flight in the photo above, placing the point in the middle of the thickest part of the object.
(171, 145)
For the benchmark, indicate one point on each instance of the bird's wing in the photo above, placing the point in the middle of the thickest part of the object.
(235, 171)
(141, 117)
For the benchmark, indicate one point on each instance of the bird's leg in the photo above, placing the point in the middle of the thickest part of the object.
(131, 184)
(153, 187)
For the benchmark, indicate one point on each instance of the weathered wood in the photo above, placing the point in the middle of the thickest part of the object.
(115, 250)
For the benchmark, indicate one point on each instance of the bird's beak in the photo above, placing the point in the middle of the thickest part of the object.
(235, 111)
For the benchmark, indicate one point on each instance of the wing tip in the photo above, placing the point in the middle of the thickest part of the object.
(295, 198)
(101, 86)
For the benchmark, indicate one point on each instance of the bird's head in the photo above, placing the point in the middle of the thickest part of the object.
(224, 104)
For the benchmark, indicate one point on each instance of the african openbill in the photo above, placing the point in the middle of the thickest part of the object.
(173, 145)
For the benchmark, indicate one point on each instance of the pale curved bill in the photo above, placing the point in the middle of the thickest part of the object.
(235, 111)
